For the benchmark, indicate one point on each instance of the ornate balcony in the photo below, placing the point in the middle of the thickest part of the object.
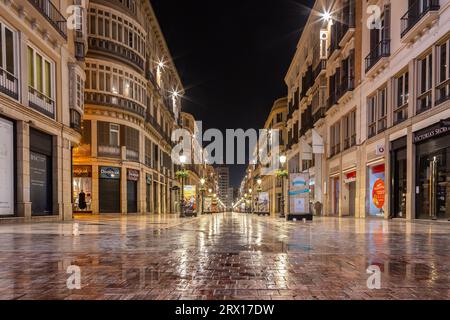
(103, 99)
(377, 56)
(53, 16)
(40, 102)
(319, 114)
(347, 85)
(418, 17)
(320, 69)
(109, 151)
(9, 84)
(116, 50)
(132, 155)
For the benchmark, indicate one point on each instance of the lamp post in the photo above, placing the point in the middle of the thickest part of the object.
(183, 162)
(202, 190)
(283, 160)
(259, 182)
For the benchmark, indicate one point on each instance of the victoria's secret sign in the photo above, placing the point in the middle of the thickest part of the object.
(432, 132)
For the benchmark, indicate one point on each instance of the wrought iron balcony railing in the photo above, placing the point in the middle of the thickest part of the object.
(382, 50)
(52, 14)
(9, 84)
(416, 12)
(40, 102)
(116, 49)
(109, 100)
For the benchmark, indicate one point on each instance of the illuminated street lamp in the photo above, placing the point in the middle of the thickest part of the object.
(251, 199)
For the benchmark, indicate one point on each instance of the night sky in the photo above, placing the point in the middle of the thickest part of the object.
(232, 57)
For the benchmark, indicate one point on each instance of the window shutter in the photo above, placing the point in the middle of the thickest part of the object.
(103, 133)
(387, 22)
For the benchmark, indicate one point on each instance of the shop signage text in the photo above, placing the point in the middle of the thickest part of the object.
(109, 173)
(82, 171)
(132, 175)
(444, 128)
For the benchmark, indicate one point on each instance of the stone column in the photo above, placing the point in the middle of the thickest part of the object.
(123, 190)
(67, 180)
(142, 196)
(95, 190)
(410, 176)
(388, 178)
(23, 169)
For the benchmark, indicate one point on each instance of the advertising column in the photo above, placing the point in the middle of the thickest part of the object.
(6, 167)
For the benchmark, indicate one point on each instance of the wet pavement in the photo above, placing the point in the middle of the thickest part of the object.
(224, 256)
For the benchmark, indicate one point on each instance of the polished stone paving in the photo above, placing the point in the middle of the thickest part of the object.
(224, 256)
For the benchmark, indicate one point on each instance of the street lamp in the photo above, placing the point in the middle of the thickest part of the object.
(283, 160)
(251, 200)
(183, 160)
(202, 190)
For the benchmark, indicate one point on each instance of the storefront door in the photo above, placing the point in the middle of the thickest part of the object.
(336, 196)
(132, 197)
(41, 168)
(399, 178)
(351, 198)
(434, 185)
(109, 190)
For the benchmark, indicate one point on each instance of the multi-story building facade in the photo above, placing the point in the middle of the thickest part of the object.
(265, 170)
(223, 176)
(132, 105)
(368, 111)
(41, 105)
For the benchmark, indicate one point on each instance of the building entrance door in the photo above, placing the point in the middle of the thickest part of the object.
(434, 184)
(351, 198)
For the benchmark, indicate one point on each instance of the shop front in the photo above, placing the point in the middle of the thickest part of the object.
(335, 195)
(433, 172)
(7, 169)
(399, 178)
(109, 190)
(41, 173)
(132, 190)
(82, 189)
(377, 190)
(349, 190)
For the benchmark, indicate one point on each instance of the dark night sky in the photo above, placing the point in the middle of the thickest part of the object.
(232, 57)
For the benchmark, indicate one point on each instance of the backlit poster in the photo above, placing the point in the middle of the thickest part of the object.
(263, 202)
(6, 167)
(190, 199)
(377, 190)
(299, 193)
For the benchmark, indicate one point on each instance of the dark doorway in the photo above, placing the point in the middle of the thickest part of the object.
(41, 168)
(132, 200)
